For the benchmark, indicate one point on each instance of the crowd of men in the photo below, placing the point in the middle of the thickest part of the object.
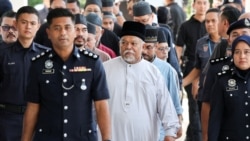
(105, 72)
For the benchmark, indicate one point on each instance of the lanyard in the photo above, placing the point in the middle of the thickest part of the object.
(209, 47)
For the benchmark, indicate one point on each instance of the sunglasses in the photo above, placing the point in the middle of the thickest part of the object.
(7, 28)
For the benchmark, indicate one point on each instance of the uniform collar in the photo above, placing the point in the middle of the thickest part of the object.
(242, 74)
(195, 20)
(19, 46)
(75, 53)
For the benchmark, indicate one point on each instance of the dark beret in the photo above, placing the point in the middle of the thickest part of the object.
(80, 19)
(141, 8)
(134, 29)
(243, 23)
(151, 34)
(161, 38)
(94, 19)
(107, 3)
(91, 28)
(97, 2)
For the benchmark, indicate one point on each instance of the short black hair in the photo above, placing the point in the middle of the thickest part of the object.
(29, 10)
(51, 1)
(59, 12)
(216, 10)
(73, 1)
(162, 14)
(231, 14)
(9, 14)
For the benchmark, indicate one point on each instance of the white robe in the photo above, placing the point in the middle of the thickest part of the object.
(139, 101)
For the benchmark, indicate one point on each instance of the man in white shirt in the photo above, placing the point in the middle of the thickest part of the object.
(140, 100)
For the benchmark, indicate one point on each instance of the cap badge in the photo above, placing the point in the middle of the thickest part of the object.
(247, 23)
(230, 0)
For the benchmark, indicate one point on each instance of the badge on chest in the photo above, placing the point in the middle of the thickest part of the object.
(48, 67)
(231, 85)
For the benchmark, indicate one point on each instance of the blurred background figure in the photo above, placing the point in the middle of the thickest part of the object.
(8, 30)
(43, 10)
(4, 7)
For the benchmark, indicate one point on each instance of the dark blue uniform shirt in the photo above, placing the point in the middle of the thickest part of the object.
(216, 65)
(15, 63)
(204, 49)
(230, 107)
(65, 92)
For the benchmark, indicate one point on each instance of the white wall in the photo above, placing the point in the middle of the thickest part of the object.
(158, 3)
(18, 3)
(247, 5)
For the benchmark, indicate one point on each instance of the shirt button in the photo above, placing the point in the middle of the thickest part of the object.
(40, 130)
(64, 67)
(65, 135)
(65, 121)
(90, 131)
(64, 80)
(47, 81)
(66, 107)
(245, 82)
(247, 126)
(246, 114)
(231, 95)
(245, 92)
(247, 137)
(65, 94)
(227, 138)
(246, 103)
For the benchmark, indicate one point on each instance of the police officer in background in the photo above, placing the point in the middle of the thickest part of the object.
(64, 84)
(229, 115)
(15, 62)
(7, 30)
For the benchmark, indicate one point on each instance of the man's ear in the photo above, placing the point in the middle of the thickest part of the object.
(102, 31)
(15, 23)
(47, 31)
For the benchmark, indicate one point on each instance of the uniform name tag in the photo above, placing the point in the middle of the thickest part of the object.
(235, 88)
(48, 71)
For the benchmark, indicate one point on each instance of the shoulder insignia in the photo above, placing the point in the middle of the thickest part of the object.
(227, 71)
(217, 60)
(40, 55)
(89, 54)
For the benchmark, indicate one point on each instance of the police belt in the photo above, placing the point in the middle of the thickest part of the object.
(13, 108)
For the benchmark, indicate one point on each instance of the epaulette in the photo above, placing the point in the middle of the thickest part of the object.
(89, 54)
(223, 72)
(40, 55)
(217, 60)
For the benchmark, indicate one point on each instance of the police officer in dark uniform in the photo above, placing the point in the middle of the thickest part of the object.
(230, 100)
(223, 63)
(64, 84)
(15, 61)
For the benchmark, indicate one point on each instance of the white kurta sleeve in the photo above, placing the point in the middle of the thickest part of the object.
(166, 110)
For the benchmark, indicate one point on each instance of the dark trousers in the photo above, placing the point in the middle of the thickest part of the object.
(194, 127)
(10, 126)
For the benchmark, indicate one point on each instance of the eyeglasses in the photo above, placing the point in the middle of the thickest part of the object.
(7, 28)
(164, 49)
